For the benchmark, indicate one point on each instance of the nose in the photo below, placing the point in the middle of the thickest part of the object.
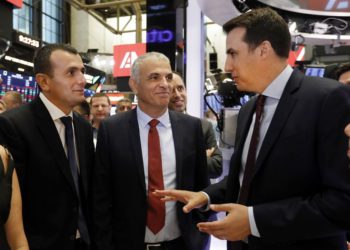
(228, 65)
(81, 79)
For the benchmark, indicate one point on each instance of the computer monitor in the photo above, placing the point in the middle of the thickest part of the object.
(24, 84)
(315, 71)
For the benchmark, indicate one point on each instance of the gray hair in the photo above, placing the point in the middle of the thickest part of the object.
(135, 69)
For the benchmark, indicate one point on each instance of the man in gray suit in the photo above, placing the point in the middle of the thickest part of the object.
(178, 102)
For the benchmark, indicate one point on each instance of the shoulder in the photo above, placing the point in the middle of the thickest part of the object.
(174, 115)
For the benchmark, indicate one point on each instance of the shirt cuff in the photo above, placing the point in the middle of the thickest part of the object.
(252, 224)
(206, 207)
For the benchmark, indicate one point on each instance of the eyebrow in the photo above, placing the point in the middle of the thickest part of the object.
(230, 50)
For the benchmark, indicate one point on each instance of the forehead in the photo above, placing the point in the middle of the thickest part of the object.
(64, 59)
(177, 81)
(235, 37)
(100, 99)
(155, 65)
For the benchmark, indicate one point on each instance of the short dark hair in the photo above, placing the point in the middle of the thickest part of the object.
(100, 95)
(342, 69)
(42, 56)
(84, 108)
(263, 24)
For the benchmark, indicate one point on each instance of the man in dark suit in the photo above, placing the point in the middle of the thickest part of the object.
(123, 180)
(54, 193)
(178, 102)
(289, 172)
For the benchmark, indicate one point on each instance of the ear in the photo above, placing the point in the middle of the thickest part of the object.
(43, 82)
(133, 85)
(265, 49)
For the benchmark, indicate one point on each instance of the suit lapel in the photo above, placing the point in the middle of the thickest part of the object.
(283, 110)
(134, 134)
(49, 132)
(178, 138)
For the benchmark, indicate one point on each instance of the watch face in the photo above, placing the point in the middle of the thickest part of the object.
(313, 7)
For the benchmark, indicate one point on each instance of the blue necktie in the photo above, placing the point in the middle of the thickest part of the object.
(82, 226)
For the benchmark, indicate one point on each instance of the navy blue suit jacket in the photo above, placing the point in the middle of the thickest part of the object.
(300, 191)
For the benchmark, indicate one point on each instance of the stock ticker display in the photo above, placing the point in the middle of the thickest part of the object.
(21, 83)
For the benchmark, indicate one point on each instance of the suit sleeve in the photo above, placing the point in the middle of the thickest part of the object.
(214, 162)
(325, 211)
(102, 194)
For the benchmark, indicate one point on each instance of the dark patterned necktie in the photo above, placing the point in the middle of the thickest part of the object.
(82, 226)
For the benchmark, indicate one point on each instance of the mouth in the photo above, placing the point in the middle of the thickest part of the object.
(178, 102)
(163, 94)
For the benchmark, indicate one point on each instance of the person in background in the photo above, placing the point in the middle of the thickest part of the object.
(123, 105)
(2, 106)
(347, 132)
(343, 73)
(178, 102)
(289, 181)
(100, 109)
(83, 109)
(53, 153)
(141, 150)
(13, 99)
(11, 222)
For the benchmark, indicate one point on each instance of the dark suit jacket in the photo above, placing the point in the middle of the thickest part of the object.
(215, 161)
(50, 203)
(300, 190)
(119, 189)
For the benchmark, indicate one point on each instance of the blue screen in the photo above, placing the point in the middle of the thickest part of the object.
(23, 84)
(315, 71)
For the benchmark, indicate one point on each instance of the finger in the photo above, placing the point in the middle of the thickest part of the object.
(222, 207)
(174, 194)
(213, 230)
(213, 225)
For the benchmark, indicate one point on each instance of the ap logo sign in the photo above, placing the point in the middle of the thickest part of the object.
(124, 56)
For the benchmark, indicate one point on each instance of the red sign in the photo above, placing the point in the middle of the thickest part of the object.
(297, 55)
(17, 3)
(124, 56)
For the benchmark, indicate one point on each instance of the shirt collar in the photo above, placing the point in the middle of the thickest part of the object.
(144, 119)
(54, 111)
(276, 87)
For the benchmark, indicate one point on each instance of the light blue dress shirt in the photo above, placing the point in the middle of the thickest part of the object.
(171, 229)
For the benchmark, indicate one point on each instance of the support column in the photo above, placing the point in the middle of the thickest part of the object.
(195, 59)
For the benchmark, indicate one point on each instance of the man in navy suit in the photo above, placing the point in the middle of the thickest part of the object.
(122, 195)
(55, 196)
(298, 192)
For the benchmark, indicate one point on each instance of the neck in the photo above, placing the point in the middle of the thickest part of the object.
(153, 112)
(270, 74)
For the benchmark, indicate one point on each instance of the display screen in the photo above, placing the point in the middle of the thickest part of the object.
(23, 84)
(315, 71)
